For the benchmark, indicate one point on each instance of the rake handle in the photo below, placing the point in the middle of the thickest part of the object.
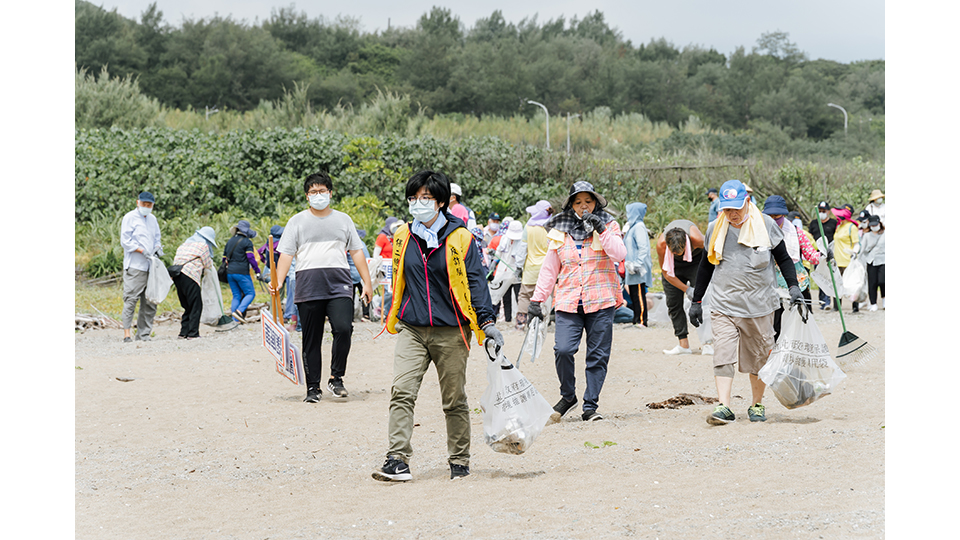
(274, 300)
(830, 268)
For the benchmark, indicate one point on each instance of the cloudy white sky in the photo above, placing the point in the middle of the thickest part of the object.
(845, 31)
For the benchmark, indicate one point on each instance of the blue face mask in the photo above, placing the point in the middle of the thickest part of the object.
(423, 211)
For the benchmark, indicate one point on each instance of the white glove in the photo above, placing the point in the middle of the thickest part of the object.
(689, 293)
(631, 268)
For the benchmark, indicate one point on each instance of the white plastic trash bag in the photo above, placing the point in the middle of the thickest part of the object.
(502, 281)
(800, 369)
(158, 282)
(514, 413)
(705, 330)
(535, 336)
(212, 301)
(855, 281)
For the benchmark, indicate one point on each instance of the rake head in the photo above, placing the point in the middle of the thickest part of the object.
(853, 350)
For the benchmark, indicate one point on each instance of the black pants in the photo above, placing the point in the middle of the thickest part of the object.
(876, 279)
(312, 319)
(638, 301)
(189, 294)
(779, 313)
(686, 273)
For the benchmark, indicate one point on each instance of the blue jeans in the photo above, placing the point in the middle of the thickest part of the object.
(291, 308)
(241, 285)
(570, 328)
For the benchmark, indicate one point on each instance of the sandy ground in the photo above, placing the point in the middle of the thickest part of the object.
(208, 441)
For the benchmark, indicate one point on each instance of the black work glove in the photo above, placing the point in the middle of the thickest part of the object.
(535, 311)
(696, 314)
(595, 221)
(829, 254)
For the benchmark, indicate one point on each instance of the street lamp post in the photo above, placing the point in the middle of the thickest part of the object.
(548, 119)
(844, 117)
(568, 130)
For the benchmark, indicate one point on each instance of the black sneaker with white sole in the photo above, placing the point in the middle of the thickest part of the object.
(336, 386)
(591, 416)
(313, 394)
(458, 471)
(561, 408)
(393, 470)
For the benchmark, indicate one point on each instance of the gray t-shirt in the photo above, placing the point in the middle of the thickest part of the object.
(320, 245)
(744, 283)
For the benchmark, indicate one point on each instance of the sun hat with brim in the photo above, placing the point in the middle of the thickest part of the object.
(209, 235)
(243, 227)
(775, 205)
(876, 194)
(583, 187)
(733, 194)
(276, 231)
(515, 231)
(146, 196)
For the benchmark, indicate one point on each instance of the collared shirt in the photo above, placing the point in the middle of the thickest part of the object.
(139, 232)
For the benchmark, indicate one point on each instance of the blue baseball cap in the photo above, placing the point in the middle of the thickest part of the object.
(733, 194)
(146, 196)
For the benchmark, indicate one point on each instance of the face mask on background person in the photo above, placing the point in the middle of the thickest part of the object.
(779, 221)
(423, 211)
(494, 227)
(874, 228)
(879, 201)
(320, 201)
(144, 211)
(823, 215)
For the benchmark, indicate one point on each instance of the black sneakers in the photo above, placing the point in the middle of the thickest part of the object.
(458, 471)
(336, 386)
(313, 394)
(591, 416)
(561, 408)
(395, 470)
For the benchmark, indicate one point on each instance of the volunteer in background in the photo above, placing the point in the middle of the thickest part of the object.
(679, 274)
(846, 242)
(829, 224)
(741, 246)
(384, 244)
(459, 209)
(877, 207)
(874, 255)
(638, 263)
(493, 227)
(798, 247)
(140, 240)
(320, 238)
(357, 279)
(535, 236)
(195, 255)
(714, 204)
(238, 252)
(584, 244)
(440, 296)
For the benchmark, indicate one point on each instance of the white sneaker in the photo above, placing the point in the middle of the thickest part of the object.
(677, 350)
(706, 350)
(873, 307)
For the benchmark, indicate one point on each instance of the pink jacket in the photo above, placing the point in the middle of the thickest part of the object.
(591, 278)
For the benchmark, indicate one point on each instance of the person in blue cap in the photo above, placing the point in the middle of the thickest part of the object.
(140, 239)
(714, 204)
(741, 246)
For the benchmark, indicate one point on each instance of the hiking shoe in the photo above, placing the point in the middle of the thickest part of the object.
(395, 470)
(757, 413)
(313, 395)
(706, 350)
(336, 386)
(238, 317)
(458, 471)
(561, 408)
(721, 415)
(677, 350)
(128, 340)
(591, 416)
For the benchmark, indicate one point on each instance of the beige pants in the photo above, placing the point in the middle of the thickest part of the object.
(743, 341)
(416, 348)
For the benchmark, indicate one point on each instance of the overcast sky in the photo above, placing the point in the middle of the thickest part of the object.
(845, 31)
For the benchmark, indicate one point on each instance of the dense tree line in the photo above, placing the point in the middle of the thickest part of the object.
(491, 68)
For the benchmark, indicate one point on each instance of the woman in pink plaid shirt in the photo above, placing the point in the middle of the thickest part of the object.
(584, 244)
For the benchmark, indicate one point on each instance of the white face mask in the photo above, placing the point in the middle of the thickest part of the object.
(874, 228)
(320, 201)
(423, 211)
(823, 216)
(144, 211)
(494, 227)
(879, 201)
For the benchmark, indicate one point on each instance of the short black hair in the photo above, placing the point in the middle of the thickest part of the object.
(436, 183)
(676, 239)
(318, 178)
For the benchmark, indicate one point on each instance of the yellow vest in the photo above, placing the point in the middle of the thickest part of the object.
(457, 243)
